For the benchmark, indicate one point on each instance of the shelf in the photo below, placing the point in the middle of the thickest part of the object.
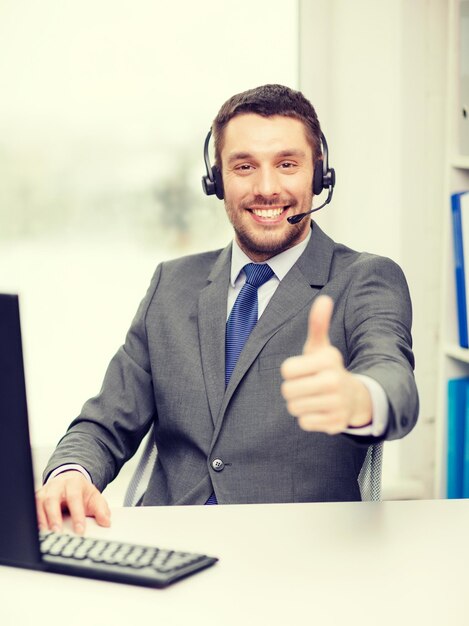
(460, 161)
(456, 352)
(453, 359)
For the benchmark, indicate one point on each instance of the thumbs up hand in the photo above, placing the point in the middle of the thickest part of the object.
(318, 390)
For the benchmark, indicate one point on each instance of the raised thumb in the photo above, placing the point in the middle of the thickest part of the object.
(318, 324)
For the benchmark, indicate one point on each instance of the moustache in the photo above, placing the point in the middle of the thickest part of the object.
(259, 201)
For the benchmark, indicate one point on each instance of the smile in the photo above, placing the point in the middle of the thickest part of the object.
(268, 213)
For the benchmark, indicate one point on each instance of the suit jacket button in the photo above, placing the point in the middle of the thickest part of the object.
(218, 465)
(404, 421)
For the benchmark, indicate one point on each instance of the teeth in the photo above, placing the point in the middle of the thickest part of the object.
(267, 212)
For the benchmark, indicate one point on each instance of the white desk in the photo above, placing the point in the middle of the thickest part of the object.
(356, 563)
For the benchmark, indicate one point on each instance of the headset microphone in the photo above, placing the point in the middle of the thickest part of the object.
(294, 219)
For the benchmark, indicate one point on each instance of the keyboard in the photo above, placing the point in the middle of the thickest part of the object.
(118, 561)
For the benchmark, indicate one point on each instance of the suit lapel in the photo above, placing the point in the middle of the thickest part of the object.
(212, 321)
(297, 290)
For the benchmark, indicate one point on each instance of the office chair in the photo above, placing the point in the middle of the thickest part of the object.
(369, 479)
(139, 481)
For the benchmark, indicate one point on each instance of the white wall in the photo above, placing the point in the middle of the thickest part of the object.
(374, 69)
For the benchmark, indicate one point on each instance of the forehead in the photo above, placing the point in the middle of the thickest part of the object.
(255, 134)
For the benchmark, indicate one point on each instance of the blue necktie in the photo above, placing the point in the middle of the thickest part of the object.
(243, 316)
(242, 319)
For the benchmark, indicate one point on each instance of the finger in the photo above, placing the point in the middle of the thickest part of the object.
(309, 364)
(98, 508)
(319, 422)
(313, 404)
(74, 497)
(41, 516)
(326, 382)
(52, 506)
(318, 324)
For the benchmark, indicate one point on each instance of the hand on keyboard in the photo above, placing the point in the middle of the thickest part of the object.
(72, 492)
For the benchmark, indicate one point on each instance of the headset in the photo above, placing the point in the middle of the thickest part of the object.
(323, 178)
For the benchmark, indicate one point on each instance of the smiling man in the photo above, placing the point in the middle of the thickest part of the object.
(267, 368)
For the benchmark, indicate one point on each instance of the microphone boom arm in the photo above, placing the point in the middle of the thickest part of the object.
(294, 219)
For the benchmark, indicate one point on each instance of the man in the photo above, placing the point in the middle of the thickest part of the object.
(326, 371)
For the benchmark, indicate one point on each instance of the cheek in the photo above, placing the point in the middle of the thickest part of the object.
(236, 189)
(304, 194)
(301, 186)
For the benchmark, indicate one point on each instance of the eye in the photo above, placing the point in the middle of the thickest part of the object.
(287, 165)
(244, 168)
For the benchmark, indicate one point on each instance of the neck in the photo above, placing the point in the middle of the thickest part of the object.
(260, 256)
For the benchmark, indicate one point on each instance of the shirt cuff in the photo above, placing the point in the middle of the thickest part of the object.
(66, 468)
(379, 408)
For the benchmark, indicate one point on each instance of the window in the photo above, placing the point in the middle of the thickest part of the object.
(105, 106)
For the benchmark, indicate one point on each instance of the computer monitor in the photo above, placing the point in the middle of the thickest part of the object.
(18, 526)
(20, 543)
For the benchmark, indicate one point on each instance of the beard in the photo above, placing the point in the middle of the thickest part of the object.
(267, 241)
(269, 244)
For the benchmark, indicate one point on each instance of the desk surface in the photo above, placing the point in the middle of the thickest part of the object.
(345, 563)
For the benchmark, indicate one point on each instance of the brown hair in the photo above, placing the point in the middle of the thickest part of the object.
(269, 100)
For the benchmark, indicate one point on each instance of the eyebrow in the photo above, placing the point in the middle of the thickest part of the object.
(239, 156)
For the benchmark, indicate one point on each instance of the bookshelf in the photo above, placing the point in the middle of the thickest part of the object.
(453, 360)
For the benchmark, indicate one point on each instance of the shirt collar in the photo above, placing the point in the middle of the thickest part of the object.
(280, 264)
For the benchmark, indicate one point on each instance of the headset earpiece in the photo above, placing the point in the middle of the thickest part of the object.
(218, 182)
(324, 176)
(318, 178)
(212, 182)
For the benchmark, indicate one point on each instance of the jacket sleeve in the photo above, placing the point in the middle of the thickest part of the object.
(378, 320)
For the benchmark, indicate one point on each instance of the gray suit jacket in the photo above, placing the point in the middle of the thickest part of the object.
(170, 373)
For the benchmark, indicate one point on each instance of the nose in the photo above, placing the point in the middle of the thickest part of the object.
(266, 182)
